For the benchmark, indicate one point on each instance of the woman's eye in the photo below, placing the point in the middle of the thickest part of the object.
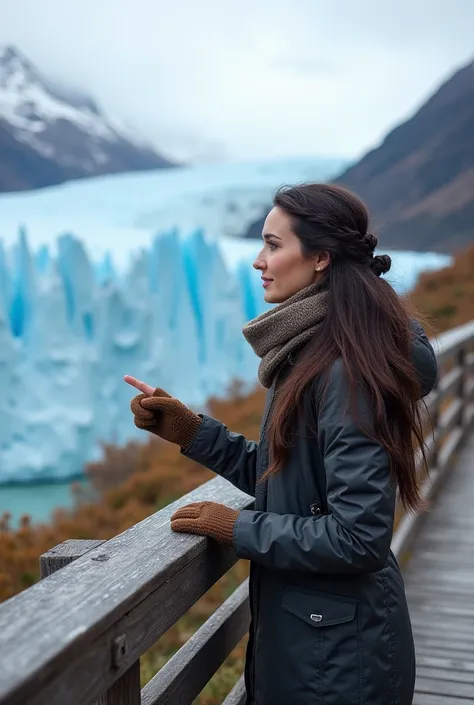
(272, 246)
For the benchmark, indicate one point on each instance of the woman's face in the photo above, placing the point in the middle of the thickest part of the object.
(283, 267)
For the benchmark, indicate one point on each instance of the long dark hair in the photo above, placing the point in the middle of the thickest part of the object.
(367, 326)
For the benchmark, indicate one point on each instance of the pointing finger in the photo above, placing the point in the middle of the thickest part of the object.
(138, 384)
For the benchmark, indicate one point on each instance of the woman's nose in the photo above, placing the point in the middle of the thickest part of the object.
(259, 263)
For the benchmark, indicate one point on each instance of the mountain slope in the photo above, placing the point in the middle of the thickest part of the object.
(49, 134)
(419, 183)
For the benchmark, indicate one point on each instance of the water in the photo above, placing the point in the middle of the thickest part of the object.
(37, 500)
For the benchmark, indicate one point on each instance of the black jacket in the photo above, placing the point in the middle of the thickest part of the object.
(330, 623)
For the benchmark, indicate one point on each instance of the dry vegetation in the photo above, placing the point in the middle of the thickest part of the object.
(447, 296)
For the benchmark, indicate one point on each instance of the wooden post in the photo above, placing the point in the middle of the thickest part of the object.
(126, 690)
(434, 421)
(65, 553)
(461, 359)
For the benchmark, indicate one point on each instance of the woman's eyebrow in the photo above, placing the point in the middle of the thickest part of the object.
(267, 235)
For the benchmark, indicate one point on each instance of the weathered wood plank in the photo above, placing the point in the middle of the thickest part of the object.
(450, 447)
(432, 638)
(453, 519)
(433, 592)
(434, 607)
(439, 652)
(447, 595)
(137, 585)
(469, 362)
(422, 625)
(188, 671)
(452, 546)
(451, 581)
(445, 540)
(445, 549)
(448, 344)
(450, 382)
(445, 674)
(237, 695)
(469, 397)
(445, 610)
(425, 559)
(65, 553)
(451, 626)
(431, 699)
(439, 687)
(428, 640)
(452, 639)
(447, 663)
(450, 417)
(125, 691)
(423, 628)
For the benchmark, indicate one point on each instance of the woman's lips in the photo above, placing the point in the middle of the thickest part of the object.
(266, 282)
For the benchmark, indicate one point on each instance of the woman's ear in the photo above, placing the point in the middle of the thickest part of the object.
(321, 261)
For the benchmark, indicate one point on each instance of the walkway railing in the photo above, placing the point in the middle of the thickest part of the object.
(77, 636)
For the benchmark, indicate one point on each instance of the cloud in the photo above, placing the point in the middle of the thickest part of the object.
(249, 78)
(304, 64)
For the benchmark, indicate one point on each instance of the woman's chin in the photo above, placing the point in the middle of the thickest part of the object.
(271, 297)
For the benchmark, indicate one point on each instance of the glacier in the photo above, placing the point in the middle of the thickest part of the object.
(69, 332)
(120, 214)
(67, 338)
(165, 304)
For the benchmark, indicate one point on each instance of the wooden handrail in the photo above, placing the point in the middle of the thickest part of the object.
(451, 413)
(77, 636)
(68, 638)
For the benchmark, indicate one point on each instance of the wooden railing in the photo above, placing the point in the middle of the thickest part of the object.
(76, 637)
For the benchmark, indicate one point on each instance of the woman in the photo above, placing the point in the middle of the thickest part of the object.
(345, 368)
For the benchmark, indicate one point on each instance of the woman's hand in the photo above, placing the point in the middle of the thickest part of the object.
(157, 411)
(206, 519)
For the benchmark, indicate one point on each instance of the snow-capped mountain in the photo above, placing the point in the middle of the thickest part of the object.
(49, 134)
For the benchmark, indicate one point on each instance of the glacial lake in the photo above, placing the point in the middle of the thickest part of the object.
(38, 500)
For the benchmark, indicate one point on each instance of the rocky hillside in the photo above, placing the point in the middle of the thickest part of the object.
(419, 183)
(49, 134)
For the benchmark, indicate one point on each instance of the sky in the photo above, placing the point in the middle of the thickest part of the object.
(239, 79)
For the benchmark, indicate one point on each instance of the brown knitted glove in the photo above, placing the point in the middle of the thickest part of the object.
(206, 519)
(166, 417)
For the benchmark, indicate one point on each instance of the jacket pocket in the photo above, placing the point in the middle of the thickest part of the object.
(324, 645)
(319, 609)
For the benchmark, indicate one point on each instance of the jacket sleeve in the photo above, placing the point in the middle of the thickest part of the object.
(355, 535)
(225, 453)
(423, 358)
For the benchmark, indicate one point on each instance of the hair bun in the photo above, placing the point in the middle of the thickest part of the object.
(381, 264)
(370, 241)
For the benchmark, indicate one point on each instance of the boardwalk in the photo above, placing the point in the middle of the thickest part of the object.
(440, 588)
